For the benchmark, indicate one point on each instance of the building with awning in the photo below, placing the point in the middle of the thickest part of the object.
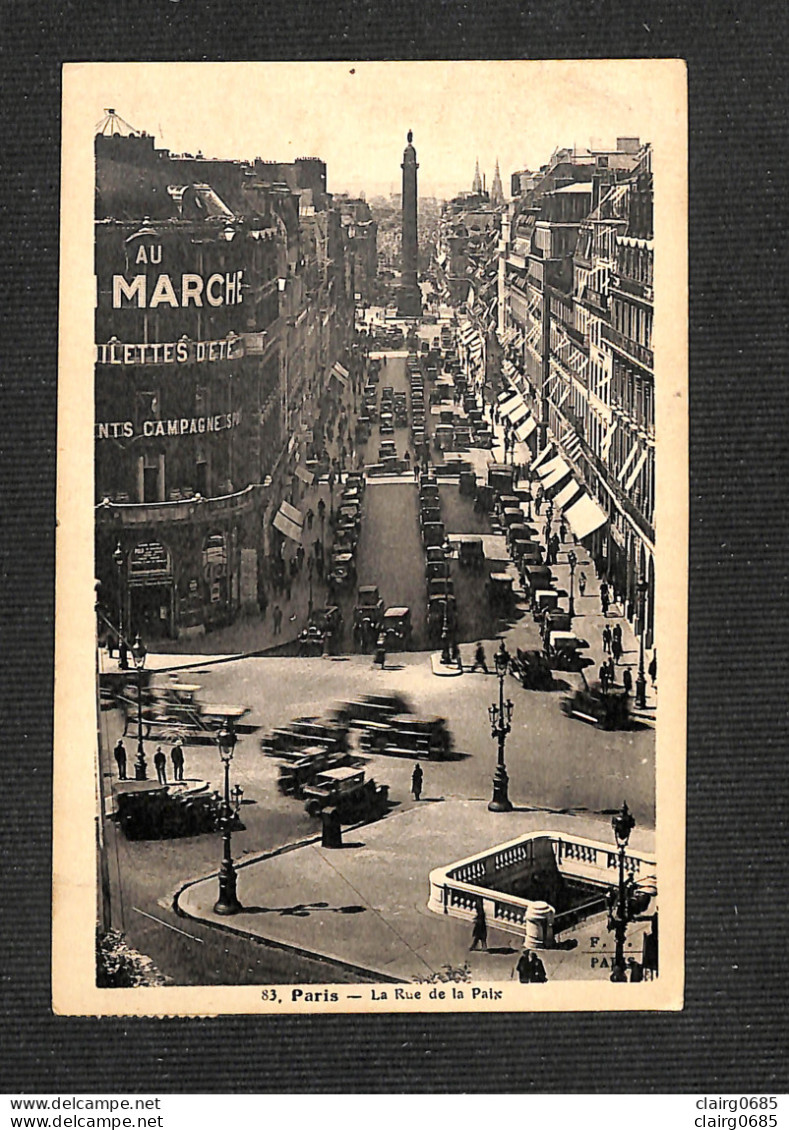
(585, 516)
(340, 372)
(508, 394)
(542, 456)
(289, 521)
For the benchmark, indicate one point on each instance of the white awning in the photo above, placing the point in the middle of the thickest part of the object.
(637, 469)
(340, 373)
(304, 474)
(525, 429)
(552, 465)
(585, 516)
(566, 493)
(518, 413)
(289, 521)
(507, 336)
(507, 395)
(556, 475)
(546, 451)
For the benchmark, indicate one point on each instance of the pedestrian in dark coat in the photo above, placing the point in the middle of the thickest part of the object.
(604, 598)
(582, 582)
(479, 659)
(616, 646)
(616, 635)
(611, 672)
(417, 777)
(177, 758)
(603, 673)
(479, 932)
(299, 557)
(120, 758)
(310, 518)
(160, 761)
(627, 680)
(607, 637)
(652, 669)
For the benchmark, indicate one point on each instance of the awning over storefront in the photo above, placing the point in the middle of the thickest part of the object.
(546, 451)
(304, 474)
(559, 472)
(550, 466)
(507, 336)
(508, 394)
(289, 521)
(585, 516)
(518, 413)
(340, 372)
(525, 429)
(566, 493)
(467, 332)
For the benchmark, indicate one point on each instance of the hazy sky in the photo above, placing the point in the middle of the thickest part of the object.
(356, 115)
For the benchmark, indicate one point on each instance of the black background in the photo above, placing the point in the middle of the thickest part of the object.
(729, 1037)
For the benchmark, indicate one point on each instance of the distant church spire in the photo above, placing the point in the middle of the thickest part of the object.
(477, 183)
(496, 190)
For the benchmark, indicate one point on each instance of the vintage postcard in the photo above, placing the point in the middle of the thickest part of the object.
(372, 525)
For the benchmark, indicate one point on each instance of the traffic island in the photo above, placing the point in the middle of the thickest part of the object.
(444, 669)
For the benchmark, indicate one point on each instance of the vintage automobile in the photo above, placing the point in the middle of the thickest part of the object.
(323, 631)
(565, 651)
(362, 432)
(535, 578)
(369, 710)
(396, 629)
(387, 450)
(506, 501)
(400, 416)
(429, 493)
(167, 812)
(511, 516)
(440, 586)
(435, 615)
(520, 530)
(443, 437)
(343, 571)
(533, 670)
(348, 793)
(369, 606)
(409, 735)
(610, 710)
(386, 427)
(525, 551)
(482, 437)
(387, 394)
(346, 534)
(499, 588)
(428, 513)
(355, 480)
(173, 710)
(349, 515)
(437, 569)
(293, 774)
(433, 533)
(289, 742)
(471, 553)
(435, 553)
(500, 477)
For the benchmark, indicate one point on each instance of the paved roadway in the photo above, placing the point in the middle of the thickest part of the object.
(554, 763)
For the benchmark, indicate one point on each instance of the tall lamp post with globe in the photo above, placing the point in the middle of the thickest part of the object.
(227, 903)
(623, 824)
(500, 726)
(139, 655)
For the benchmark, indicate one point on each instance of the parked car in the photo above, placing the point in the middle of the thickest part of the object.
(346, 790)
(396, 629)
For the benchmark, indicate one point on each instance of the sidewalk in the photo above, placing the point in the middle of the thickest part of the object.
(365, 905)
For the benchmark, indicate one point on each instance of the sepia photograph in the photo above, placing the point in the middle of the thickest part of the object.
(372, 561)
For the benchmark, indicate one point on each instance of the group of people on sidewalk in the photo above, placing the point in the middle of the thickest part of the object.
(159, 761)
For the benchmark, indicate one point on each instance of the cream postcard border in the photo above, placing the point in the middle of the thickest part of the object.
(74, 812)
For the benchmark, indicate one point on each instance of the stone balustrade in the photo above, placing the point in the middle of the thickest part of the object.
(457, 889)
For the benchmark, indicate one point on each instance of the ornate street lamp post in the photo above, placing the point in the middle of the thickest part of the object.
(623, 824)
(310, 565)
(139, 656)
(641, 681)
(500, 719)
(572, 561)
(227, 903)
(446, 658)
(118, 559)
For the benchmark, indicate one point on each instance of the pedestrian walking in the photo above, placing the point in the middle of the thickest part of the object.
(299, 558)
(160, 761)
(417, 777)
(611, 673)
(605, 599)
(310, 518)
(627, 681)
(276, 616)
(455, 652)
(177, 758)
(554, 548)
(607, 640)
(616, 635)
(616, 646)
(479, 659)
(563, 528)
(582, 582)
(652, 669)
(120, 758)
(603, 673)
(479, 931)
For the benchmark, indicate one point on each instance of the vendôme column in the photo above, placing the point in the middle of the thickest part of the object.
(410, 298)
